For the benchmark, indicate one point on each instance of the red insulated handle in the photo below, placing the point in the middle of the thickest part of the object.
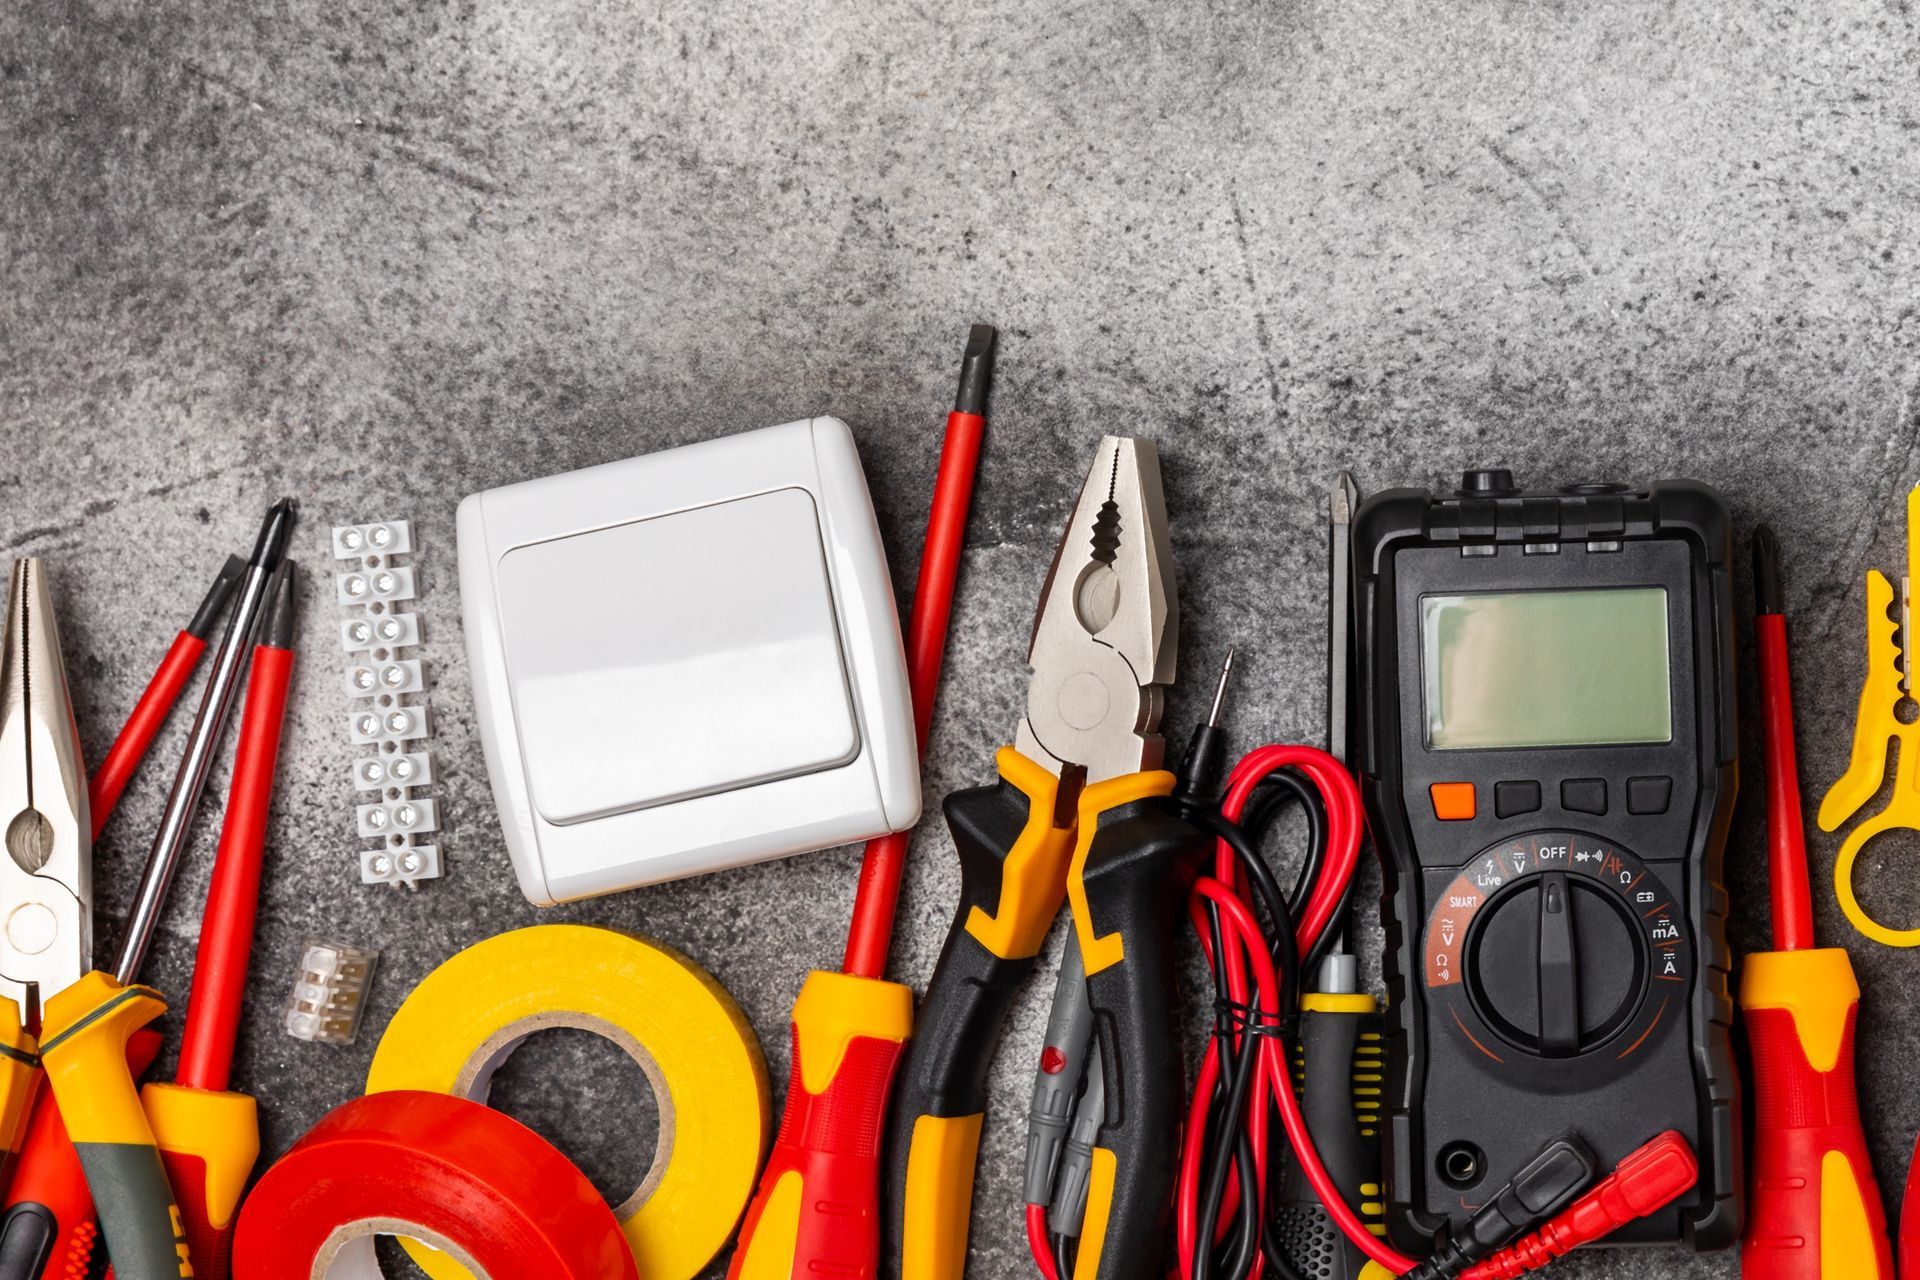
(214, 1003)
(210, 1248)
(827, 1156)
(1815, 1210)
(1910, 1219)
(816, 1212)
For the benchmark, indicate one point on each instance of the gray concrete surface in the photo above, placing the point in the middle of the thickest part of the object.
(381, 256)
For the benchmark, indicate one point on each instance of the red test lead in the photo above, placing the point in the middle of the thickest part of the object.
(1649, 1179)
(150, 712)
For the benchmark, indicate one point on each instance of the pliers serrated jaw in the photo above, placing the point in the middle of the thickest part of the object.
(1105, 637)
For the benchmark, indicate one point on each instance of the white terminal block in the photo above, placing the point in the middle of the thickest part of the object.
(381, 538)
(687, 661)
(384, 585)
(400, 866)
(384, 631)
(385, 689)
(369, 678)
(376, 773)
(377, 724)
(402, 817)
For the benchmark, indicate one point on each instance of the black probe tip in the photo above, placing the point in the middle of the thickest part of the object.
(283, 619)
(1767, 594)
(201, 624)
(275, 533)
(976, 371)
(1198, 781)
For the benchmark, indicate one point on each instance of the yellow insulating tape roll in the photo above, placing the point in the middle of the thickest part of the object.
(669, 1014)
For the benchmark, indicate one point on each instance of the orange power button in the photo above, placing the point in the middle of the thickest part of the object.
(1452, 801)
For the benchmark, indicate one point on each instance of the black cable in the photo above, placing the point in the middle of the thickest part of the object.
(1227, 1114)
(1225, 1144)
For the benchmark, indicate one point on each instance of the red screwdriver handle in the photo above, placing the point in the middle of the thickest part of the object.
(816, 1211)
(1815, 1211)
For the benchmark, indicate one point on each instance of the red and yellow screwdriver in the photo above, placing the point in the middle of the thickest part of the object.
(1815, 1211)
(817, 1209)
(209, 1136)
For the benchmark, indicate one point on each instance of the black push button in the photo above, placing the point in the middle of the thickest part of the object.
(1584, 795)
(1649, 795)
(1513, 798)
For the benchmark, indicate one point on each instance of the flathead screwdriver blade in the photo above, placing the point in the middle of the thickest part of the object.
(976, 371)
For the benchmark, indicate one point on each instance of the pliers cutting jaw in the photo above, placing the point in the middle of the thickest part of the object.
(1105, 637)
(46, 879)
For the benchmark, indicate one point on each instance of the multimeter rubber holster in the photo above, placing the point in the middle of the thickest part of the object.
(1550, 775)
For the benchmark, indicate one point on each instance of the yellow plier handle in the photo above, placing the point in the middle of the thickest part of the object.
(1013, 848)
(84, 1049)
(19, 1082)
(1132, 869)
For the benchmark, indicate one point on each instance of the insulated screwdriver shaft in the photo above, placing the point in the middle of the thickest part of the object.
(150, 712)
(209, 1136)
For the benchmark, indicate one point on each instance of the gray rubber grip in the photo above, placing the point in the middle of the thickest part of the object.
(1069, 1210)
(1069, 1030)
(137, 1211)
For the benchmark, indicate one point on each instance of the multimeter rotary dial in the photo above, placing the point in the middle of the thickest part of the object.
(1558, 944)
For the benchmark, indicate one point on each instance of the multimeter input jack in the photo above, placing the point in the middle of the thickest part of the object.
(1461, 1165)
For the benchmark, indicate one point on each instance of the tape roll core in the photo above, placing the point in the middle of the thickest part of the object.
(668, 1014)
(350, 1254)
(475, 1082)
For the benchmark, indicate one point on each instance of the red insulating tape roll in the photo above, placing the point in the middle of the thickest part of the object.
(467, 1180)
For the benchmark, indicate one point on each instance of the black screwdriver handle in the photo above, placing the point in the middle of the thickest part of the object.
(1329, 1047)
(1340, 1067)
(1013, 861)
(1128, 886)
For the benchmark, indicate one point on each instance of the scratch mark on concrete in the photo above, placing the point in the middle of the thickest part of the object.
(1520, 174)
(1262, 335)
(406, 152)
(105, 506)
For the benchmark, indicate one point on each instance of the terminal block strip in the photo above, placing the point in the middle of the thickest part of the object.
(386, 686)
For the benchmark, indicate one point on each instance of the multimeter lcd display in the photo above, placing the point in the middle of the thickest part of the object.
(1546, 668)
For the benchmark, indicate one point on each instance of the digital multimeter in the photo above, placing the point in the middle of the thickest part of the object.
(1549, 753)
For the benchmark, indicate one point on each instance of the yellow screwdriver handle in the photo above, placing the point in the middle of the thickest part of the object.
(209, 1141)
(817, 1209)
(1815, 1212)
(84, 1049)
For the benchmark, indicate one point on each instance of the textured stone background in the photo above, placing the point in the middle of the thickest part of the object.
(381, 256)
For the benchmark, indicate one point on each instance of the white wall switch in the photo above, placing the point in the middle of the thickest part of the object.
(687, 661)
